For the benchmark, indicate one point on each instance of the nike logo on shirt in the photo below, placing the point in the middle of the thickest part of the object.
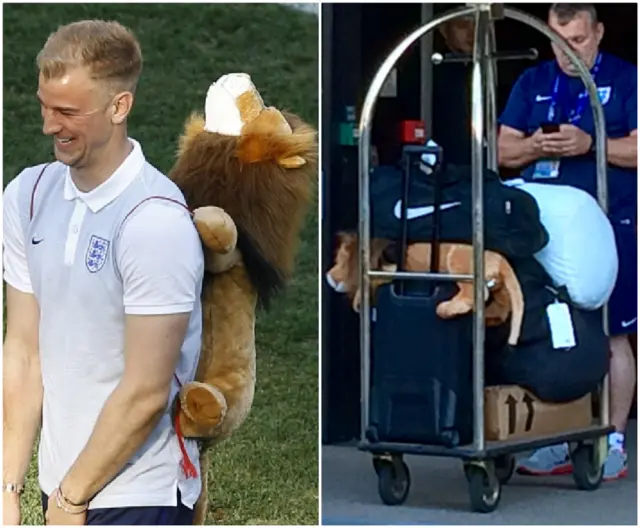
(416, 212)
(540, 98)
(625, 324)
(34, 241)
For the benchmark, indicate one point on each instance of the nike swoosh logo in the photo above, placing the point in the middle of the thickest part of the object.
(628, 323)
(540, 98)
(35, 242)
(415, 212)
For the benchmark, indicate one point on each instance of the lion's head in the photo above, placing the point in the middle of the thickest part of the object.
(259, 165)
(344, 275)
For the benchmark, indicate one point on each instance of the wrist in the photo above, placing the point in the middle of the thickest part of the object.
(591, 145)
(12, 488)
(10, 496)
(64, 504)
(72, 493)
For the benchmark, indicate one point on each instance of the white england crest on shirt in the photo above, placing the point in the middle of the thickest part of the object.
(605, 94)
(96, 253)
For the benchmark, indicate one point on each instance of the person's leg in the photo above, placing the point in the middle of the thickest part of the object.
(623, 381)
(623, 316)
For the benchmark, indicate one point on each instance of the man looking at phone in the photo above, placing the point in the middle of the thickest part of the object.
(547, 130)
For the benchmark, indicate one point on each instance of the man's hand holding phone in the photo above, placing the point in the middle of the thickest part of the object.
(562, 140)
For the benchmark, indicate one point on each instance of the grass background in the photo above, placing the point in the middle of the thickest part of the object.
(268, 472)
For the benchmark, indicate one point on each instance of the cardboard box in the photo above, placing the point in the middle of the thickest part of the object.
(512, 412)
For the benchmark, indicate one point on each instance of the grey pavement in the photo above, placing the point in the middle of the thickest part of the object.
(439, 495)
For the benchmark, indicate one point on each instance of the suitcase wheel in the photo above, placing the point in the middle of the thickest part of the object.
(394, 480)
(485, 489)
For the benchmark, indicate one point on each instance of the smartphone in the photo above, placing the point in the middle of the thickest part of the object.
(550, 128)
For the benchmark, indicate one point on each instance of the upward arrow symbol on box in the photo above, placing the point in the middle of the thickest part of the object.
(511, 403)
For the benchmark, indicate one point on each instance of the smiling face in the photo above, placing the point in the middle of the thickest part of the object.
(582, 34)
(77, 113)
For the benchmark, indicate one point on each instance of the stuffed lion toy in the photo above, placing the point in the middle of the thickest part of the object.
(248, 174)
(502, 287)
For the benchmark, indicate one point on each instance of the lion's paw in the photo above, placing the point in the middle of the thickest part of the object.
(216, 228)
(203, 406)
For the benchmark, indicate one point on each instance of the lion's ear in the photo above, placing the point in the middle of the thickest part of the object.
(261, 139)
(269, 138)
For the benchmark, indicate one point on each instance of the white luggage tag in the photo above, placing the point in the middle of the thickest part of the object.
(561, 325)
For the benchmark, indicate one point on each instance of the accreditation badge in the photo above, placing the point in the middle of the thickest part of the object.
(546, 169)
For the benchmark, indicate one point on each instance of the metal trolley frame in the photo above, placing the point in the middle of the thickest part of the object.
(487, 464)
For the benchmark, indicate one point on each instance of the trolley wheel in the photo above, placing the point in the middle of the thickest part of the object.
(485, 490)
(394, 481)
(586, 473)
(505, 468)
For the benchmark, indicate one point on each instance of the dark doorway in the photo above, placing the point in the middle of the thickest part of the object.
(356, 39)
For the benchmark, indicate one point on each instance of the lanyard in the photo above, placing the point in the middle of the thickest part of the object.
(582, 98)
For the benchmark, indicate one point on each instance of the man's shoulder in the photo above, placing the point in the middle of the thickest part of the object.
(159, 216)
(538, 73)
(158, 183)
(159, 224)
(620, 67)
(35, 171)
(157, 202)
(30, 175)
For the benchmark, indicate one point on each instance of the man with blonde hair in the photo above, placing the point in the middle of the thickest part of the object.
(103, 301)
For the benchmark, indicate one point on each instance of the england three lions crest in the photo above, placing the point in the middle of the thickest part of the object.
(96, 253)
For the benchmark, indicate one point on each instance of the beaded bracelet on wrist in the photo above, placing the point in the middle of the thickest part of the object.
(10, 487)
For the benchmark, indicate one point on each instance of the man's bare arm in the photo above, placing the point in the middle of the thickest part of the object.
(623, 152)
(152, 350)
(515, 150)
(21, 384)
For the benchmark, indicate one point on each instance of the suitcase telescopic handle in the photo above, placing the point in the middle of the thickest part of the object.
(435, 236)
(401, 249)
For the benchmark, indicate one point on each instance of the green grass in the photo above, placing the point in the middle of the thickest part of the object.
(268, 472)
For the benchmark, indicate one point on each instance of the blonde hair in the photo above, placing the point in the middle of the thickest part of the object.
(109, 50)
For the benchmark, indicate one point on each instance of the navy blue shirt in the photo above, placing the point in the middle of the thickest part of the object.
(617, 83)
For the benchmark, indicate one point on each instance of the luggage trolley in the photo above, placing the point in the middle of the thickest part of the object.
(487, 464)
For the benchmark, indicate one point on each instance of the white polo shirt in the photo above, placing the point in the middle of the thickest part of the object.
(89, 259)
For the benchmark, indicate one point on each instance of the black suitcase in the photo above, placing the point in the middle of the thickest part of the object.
(421, 365)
